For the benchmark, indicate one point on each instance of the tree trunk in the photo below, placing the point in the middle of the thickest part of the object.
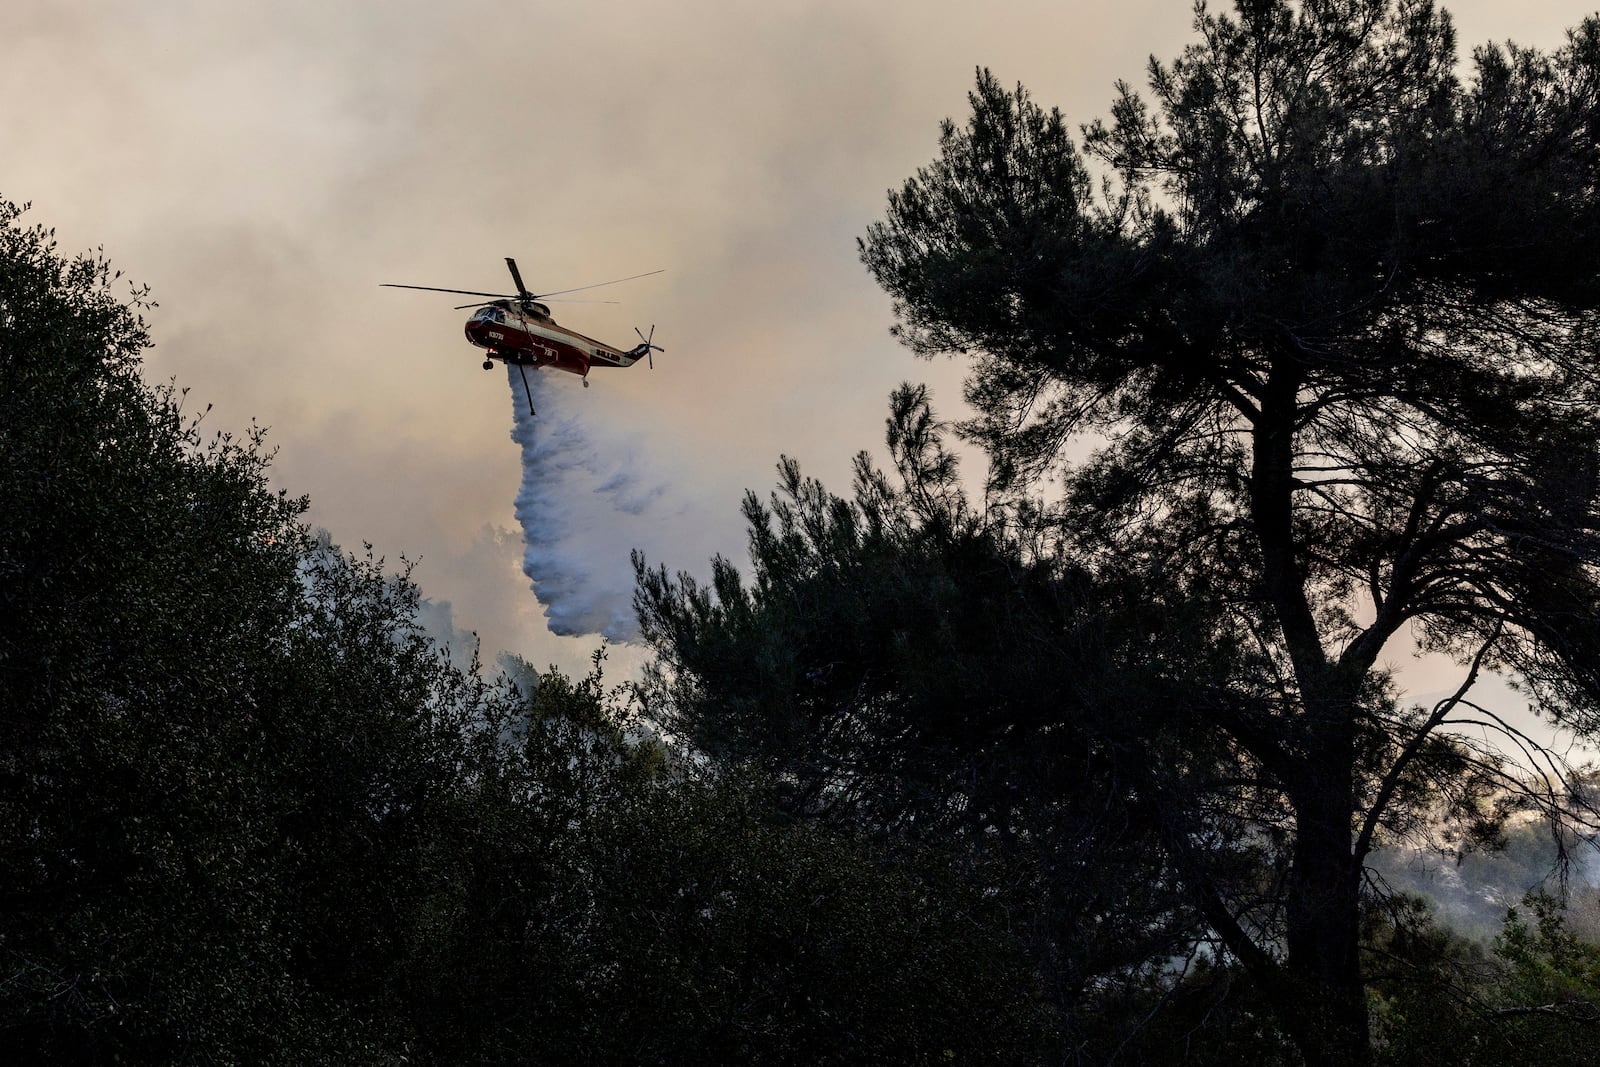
(1324, 912)
(1329, 1018)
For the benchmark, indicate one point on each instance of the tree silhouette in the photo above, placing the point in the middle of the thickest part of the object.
(251, 813)
(1331, 312)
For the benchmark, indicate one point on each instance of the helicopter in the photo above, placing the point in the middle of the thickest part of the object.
(518, 330)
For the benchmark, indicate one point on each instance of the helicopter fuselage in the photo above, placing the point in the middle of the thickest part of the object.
(528, 336)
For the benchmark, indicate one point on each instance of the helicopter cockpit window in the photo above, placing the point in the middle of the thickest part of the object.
(490, 314)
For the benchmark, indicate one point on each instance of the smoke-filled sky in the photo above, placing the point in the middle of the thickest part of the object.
(264, 166)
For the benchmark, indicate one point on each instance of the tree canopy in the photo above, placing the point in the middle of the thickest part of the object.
(251, 813)
(1322, 306)
(896, 662)
(1333, 311)
(1290, 356)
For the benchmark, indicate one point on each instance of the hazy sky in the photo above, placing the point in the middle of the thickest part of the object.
(264, 166)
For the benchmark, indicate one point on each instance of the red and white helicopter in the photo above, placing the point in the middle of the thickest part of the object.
(518, 330)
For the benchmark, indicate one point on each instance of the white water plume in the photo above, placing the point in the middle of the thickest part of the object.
(583, 508)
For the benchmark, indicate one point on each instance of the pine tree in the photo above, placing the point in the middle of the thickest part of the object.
(1330, 312)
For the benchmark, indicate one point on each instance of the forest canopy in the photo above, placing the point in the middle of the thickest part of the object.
(1289, 356)
(251, 813)
(1321, 302)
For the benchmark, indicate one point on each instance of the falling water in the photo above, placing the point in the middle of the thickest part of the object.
(584, 504)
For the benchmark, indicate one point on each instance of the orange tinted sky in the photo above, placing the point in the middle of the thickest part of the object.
(264, 166)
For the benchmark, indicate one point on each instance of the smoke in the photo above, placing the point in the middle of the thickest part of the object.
(438, 621)
(1471, 890)
(585, 503)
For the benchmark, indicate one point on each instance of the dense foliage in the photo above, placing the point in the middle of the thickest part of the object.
(249, 813)
(1324, 311)
(1087, 772)
(1333, 314)
(898, 660)
(884, 665)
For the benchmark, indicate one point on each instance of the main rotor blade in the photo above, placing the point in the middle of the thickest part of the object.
(436, 289)
(596, 285)
(486, 303)
(516, 276)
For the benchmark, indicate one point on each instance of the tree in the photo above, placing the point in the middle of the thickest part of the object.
(703, 925)
(1532, 995)
(249, 812)
(231, 760)
(899, 662)
(1331, 313)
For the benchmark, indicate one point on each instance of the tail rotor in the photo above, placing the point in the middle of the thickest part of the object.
(649, 346)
